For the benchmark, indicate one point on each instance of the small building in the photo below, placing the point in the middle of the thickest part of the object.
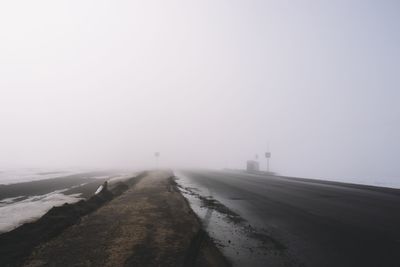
(253, 166)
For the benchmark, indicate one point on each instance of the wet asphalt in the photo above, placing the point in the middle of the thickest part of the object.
(320, 223)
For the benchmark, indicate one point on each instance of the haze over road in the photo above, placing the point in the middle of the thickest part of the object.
(321, 223)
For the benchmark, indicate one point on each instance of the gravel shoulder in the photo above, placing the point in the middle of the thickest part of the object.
(150, 224)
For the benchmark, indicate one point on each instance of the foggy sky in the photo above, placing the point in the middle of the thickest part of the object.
(206, 83)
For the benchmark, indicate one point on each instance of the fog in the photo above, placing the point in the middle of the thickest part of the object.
(208, 84)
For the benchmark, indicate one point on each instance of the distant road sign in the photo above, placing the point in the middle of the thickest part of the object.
(267, 154)
(157, 154)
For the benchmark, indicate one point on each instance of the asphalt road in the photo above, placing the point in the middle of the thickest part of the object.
(320, 223)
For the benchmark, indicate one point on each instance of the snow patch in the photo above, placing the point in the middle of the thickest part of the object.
(17, 213)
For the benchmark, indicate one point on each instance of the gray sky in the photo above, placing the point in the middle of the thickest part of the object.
(206, 83)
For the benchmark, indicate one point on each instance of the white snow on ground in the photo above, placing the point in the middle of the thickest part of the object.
(14, 214)
(7, 201)
(101, 177)
(12, 176)
(16, 211)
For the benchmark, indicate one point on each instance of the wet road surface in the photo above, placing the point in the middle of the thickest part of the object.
(320, 223)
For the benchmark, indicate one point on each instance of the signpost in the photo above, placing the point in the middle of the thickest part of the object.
(267, 156)
(157, 155)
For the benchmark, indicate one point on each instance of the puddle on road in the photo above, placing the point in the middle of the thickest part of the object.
(240, 242)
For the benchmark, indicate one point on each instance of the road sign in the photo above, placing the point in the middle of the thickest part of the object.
(267, 154)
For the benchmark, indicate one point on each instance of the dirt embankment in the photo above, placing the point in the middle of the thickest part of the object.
(16, 245)
(150, 224)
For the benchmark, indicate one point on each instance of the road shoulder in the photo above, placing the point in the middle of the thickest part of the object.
(150, 224)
